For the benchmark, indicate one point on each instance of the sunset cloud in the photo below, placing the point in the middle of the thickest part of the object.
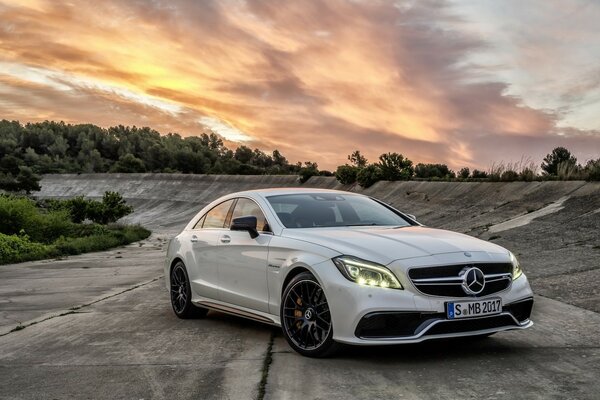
(439, 81)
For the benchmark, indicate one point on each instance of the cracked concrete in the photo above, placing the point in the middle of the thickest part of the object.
(126, 342)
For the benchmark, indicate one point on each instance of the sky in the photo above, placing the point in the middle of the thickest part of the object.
(467, 83)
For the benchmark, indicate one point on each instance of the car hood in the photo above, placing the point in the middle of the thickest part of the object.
(385, 245)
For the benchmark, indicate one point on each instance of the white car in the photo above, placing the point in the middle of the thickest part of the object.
(334, 267)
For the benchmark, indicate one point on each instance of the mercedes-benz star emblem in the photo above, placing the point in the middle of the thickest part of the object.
(473, 281)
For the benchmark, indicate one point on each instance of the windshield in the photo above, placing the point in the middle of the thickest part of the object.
(311, 210)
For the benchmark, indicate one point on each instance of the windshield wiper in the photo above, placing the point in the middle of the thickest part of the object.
(369, 224)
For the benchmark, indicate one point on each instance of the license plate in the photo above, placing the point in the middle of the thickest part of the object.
(473, 308)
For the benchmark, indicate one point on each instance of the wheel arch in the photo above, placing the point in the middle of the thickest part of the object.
(174, 261)
(294, 271)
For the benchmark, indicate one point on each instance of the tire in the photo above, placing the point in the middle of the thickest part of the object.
(181, 294)
(306, 319)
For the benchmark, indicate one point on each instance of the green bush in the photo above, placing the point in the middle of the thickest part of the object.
(464, 173)
(109, 210)
(369, 175)
(346, 174)
(16, 213)
(15, 248)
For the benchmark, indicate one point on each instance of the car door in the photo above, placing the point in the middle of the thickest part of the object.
(204, 238)
(243, 261)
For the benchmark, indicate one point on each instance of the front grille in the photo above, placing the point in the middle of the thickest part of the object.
(446, 281)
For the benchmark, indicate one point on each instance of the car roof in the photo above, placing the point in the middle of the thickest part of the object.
(291, 190)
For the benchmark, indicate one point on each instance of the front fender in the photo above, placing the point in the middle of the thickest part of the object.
(285, 255)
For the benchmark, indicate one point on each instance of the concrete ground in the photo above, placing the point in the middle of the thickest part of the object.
(100, 326)
(131, 346)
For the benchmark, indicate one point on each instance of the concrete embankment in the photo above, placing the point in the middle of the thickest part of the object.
(552, 226)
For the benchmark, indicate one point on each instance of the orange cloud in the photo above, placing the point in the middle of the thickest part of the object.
(313, 79)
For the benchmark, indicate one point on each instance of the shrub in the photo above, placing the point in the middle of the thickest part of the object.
(464, 173)
(112, 208)
(310, 169)
(114, 236)
(567, 170)
(369, 175)
(432, 171)
(592, 170)
(477, 174)
(527, 174)
(509, 176)
(15, 248)
(16, 213)
(346, 174)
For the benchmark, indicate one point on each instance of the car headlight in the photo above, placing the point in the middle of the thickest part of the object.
(366, 272)
(517, 271)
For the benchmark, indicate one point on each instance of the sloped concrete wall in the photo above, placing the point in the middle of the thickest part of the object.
(168, 201)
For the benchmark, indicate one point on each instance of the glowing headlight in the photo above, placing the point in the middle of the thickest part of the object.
(366, 272)
(517, 271)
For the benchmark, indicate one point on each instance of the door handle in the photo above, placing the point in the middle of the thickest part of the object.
(194, 239)
(225, 239)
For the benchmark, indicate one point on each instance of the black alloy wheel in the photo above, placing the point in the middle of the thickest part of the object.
(181, 294)
(305, 317)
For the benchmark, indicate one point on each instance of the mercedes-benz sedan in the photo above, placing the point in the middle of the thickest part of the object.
(334, 267)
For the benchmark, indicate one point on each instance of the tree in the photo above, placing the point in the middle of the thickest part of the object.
(129, 163)
(464, 173)
(357, 159)
(395, 167)
(559, 155)
(27, 180)
(243, 154)
(592, 170)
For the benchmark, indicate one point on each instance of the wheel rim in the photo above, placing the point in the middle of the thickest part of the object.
(178, 289)
(306, 316)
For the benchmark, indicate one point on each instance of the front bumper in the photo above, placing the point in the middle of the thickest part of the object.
(418, 326)
(366, 315)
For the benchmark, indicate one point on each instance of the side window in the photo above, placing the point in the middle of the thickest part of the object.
(199, 223)
(217, 216)
(246, 208)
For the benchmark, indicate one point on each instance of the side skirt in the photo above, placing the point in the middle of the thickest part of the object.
(239, 312)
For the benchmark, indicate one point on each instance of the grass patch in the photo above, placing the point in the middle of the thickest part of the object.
(15, 248)
(29, 231)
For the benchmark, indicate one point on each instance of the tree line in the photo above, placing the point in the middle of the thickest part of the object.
(29, 150)
(559, 164)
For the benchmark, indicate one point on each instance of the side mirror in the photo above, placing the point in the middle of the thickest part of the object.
(245, 224)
